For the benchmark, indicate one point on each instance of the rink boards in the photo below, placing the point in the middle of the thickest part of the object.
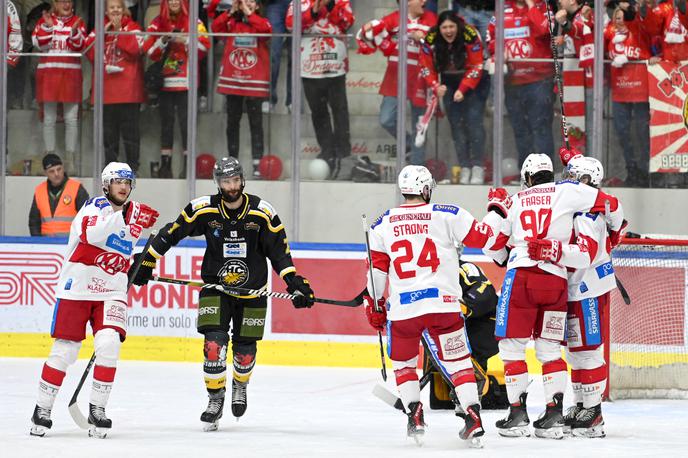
(162, 317)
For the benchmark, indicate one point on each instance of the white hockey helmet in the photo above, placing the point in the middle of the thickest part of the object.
(415, 180)
(581, 166)
(117, 170)
(535, 163)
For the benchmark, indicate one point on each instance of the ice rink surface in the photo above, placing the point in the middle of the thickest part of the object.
(300, 412)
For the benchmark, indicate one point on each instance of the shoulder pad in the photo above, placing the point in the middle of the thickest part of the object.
(267, 208)
(470, 34)
(568, 181)
(98, 202)
(470, 269)
(445, 208)
(379, 219)
(199, 202)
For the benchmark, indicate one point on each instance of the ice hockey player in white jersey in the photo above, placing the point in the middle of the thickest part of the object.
(93, 288)
(533, 301)
(413, 248)
(589, 287)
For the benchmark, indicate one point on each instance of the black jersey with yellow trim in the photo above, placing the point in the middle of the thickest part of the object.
(238, 241)
(479, 294)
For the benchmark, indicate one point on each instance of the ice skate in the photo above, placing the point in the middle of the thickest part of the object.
(213, 413)
(516, 424)
(589, 423)
(100, 423)
(473, 429)
(239, 403)
(416, 426)
(550, 425)
(570, 416)
(40, 421)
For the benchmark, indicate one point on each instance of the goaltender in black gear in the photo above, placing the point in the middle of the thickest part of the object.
(478, 306)
(241, 230)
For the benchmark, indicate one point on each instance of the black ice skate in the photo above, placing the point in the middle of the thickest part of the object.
(473, 428)
(589, 423)
(213, 413)
(516, 424)
(239, 403)
(40, 421)
(570, 416)
(416, 426)
(100, 423)
(550, 425)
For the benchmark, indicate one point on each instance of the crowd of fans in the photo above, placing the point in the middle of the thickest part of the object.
(450, 56)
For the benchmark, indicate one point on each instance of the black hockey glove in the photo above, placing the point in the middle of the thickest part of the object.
(299, 286)
(145, 272)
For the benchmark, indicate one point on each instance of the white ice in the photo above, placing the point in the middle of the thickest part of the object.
(294, 411)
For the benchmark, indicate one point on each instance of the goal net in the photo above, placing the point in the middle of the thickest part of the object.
(648, 350)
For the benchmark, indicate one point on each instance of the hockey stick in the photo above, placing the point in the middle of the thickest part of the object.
(249, 292)
(624, 294)
(73, 408)
(557, 76)
(372, 286)
(383, 393)
(424, 121)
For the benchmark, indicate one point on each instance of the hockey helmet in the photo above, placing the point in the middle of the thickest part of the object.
(581, 167)
(227, 167)
(535, 163)
(116, 170)
(416, 180)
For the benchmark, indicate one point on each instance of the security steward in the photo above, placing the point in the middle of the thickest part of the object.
(56, 201)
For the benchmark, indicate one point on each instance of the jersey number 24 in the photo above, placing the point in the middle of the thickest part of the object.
(427, 258)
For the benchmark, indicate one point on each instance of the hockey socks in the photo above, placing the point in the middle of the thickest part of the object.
(554, 377)
(593, 383)
(516, 379)
(49, 385)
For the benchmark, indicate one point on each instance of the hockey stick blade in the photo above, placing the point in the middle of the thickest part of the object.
(249, 292)
(73, 408)
(383, 393)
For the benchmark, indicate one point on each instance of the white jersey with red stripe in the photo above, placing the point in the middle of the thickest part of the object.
(414, 247)
(546, 211)
(98, 252)
(591, 254)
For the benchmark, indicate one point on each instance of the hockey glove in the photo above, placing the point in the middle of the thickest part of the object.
(145, 272)
(377, 319)
(616, 236)
(138, 213)
(498, 200)
(566, 154)
(299, 286)
(544, 249)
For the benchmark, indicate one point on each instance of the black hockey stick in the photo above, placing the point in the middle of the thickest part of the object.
(557, 75)
(372, 285)
(624, 294)
(231, 291)
(73, 408)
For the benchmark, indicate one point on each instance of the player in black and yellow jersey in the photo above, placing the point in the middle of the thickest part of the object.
(241, 231)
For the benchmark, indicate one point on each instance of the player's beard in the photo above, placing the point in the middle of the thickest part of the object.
(232, 196)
